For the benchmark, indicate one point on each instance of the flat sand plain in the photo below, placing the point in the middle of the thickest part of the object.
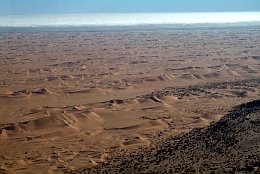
(70, 100)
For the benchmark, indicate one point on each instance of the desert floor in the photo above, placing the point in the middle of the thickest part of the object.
(71, 100)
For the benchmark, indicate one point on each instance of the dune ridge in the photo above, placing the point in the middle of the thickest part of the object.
(229, 145)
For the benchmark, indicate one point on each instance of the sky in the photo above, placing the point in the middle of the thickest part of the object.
(18, 7)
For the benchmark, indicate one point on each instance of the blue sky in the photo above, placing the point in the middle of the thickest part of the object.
(8, 7)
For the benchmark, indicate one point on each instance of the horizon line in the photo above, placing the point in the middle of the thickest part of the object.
(139, 12)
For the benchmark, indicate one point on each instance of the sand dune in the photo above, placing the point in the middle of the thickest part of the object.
(131, 123)
(72, 100)
(223, 147)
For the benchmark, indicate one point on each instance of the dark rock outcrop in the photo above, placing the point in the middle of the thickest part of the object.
(231, 145)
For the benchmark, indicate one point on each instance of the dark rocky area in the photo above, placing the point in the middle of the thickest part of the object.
(231, 145)
(242, 86)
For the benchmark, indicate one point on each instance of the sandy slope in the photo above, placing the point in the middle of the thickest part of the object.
(71, 100)
(231, 145)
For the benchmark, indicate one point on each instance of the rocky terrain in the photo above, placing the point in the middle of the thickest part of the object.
(231, 145)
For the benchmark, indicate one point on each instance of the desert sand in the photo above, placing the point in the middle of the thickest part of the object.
(71, 101)
(229, 146)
